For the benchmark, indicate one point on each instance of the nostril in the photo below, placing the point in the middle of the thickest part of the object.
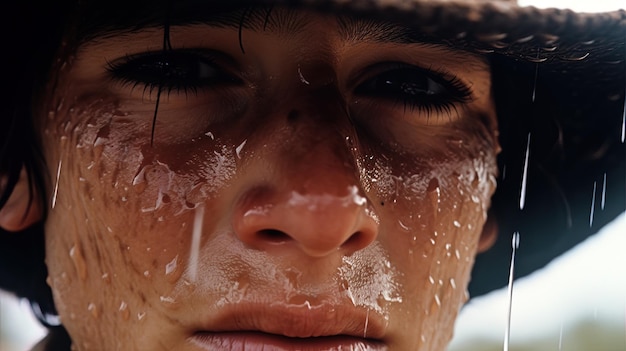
(273, 236)
(356, 241)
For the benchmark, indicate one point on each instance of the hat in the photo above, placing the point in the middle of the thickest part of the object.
(559, 81)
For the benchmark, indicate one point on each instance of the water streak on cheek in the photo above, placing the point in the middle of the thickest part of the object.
(116, 151)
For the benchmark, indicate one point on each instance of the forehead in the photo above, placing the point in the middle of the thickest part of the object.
(97, 20)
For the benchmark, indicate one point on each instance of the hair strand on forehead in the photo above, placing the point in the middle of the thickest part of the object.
(242, 22)
(167, 46)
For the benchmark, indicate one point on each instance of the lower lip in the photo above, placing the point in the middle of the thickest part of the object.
(257, 341)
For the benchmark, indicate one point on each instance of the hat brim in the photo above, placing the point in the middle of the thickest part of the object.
(558, 76)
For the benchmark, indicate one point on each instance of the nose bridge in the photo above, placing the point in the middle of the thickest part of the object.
(320, 159)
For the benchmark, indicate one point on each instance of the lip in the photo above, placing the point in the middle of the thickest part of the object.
(257, 326)
(257, 341)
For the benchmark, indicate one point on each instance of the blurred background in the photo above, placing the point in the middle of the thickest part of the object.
(577, 303)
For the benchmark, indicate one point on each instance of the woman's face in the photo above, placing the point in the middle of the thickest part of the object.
(303, 182)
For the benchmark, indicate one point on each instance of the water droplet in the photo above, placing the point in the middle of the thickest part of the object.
(56, 185)
(457, 224)
(403, 226)
(452, 283)
(125, 312)
(141, 315)
(239, 148)
(79, 262)
(302, 79)
(93, 309)
(576, 58)
(522, 198)
(171, 266)
(146, 274)
(167, 299)
(106, 278)
(524, 39)
(210, 135)
(475, 199)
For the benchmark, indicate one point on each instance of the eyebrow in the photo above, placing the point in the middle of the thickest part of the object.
(98, 22)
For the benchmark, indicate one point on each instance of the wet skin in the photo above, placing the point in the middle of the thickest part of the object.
(318, 183)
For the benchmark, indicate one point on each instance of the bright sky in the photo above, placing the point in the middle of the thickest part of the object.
(578, 5)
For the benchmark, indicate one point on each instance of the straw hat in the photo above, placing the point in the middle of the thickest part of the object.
(559, 80)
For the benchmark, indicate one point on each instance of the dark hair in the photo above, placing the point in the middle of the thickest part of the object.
(33, 32)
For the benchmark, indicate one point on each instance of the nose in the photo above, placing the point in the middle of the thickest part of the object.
(308, 197)
(317, 223)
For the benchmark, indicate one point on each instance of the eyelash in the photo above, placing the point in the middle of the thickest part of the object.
(178, 71)
(181, 71)
(452, 90)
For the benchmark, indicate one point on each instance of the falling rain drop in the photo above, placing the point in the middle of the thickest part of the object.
(593, 205)
(515, 246)
(603, 192)
(195, 242)
(56, 185)
(561, 337)
(535, 81)
(522, 198)
(624, 121)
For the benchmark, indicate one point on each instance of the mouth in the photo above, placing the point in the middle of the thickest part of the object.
(259, 341)
(245, 327)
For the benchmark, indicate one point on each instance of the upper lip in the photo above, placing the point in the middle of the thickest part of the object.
(299, 321)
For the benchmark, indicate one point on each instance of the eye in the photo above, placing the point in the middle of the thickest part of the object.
(414, 87)
(171, 70)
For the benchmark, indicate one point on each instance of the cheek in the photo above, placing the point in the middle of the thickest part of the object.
(432, 207)
(123, 211)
